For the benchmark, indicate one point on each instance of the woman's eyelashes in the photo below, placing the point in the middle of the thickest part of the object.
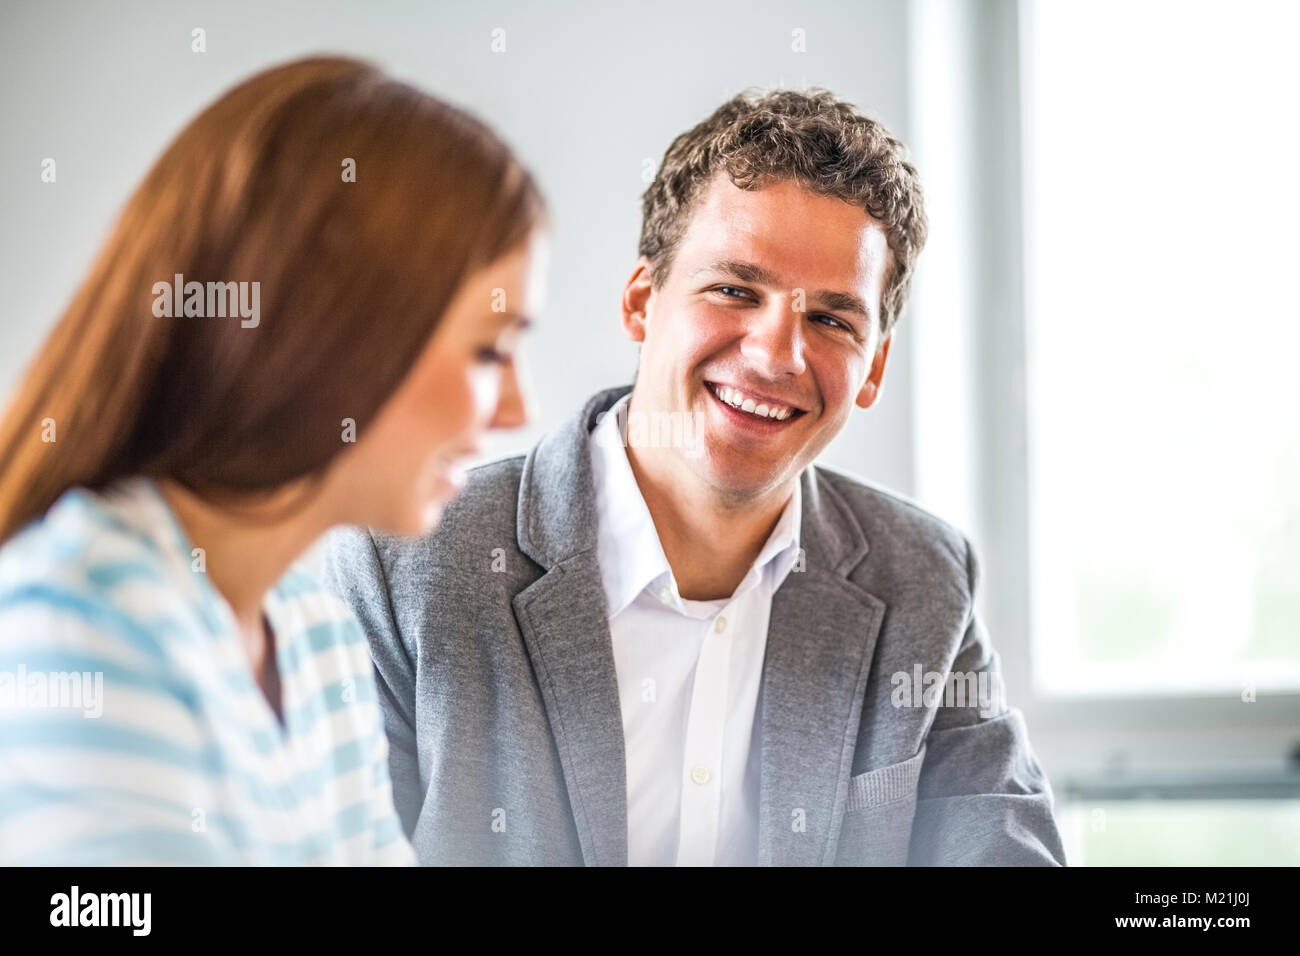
(490, 355)
(726, 291)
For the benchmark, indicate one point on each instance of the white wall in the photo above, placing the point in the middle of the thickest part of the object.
(585, 91)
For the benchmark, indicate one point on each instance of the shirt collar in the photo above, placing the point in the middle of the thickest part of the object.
(630, 555)
(141, 505)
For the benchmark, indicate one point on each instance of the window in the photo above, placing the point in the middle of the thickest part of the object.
(1182, 833)
(1162, 208)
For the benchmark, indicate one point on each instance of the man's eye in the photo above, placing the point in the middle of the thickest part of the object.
(728, 289)
(832, 321)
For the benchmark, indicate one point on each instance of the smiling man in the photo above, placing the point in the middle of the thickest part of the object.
(711, 652)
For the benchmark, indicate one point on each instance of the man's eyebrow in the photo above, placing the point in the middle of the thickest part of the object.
(744, 271)
(750, 272)
(840, 302)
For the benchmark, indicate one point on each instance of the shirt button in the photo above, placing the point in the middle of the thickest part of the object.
(719, 624)
(666, 595)
(701, 775)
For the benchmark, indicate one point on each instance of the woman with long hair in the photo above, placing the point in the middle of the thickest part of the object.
(306, 316)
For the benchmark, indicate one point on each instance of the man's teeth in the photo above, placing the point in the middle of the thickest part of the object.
(738, 399)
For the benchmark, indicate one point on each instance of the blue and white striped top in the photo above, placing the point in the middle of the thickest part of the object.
(132, 730)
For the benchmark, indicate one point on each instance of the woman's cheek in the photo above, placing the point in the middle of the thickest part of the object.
(451, 398)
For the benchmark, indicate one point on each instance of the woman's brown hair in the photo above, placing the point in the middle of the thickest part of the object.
(354, 272)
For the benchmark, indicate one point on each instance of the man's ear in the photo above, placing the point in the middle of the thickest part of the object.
(636, 301)
(871, 389)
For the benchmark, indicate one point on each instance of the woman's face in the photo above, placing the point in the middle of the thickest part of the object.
(409, 463)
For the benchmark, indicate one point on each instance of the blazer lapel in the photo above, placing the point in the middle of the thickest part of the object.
(566, 631)
(820, 641)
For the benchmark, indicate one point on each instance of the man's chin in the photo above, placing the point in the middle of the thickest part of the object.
(735, 480)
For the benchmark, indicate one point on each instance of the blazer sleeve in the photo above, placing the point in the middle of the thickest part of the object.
(354, 572)
(983, 799)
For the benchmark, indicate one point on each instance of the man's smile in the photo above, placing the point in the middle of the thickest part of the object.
(753, 408)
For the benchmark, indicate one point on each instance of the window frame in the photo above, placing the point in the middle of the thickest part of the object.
(1083, 742)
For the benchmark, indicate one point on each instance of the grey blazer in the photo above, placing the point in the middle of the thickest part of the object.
(495, 671)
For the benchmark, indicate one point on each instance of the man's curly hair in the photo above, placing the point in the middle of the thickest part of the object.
(810, 137)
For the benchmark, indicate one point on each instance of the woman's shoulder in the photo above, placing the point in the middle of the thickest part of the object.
(96, 704)
(87, 540)
(86, 572)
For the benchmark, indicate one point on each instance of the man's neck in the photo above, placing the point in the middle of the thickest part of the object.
(710, 540)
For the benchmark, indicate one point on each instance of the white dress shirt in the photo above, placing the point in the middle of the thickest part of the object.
(688, 675)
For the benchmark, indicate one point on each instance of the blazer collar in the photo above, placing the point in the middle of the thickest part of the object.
(556, 518)
(565, 629)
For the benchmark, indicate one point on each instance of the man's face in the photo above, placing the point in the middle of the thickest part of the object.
(725, 329)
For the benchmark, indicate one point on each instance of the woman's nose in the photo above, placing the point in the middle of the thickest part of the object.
(514, 403)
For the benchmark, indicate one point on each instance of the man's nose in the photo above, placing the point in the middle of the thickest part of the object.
(773, 343)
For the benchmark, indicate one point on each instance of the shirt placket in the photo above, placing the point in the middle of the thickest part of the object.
(701, 806)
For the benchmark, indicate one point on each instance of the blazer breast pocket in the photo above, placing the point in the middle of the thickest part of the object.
(877, 825)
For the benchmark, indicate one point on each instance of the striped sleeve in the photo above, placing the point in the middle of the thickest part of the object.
(391, 847)
(102, 760)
